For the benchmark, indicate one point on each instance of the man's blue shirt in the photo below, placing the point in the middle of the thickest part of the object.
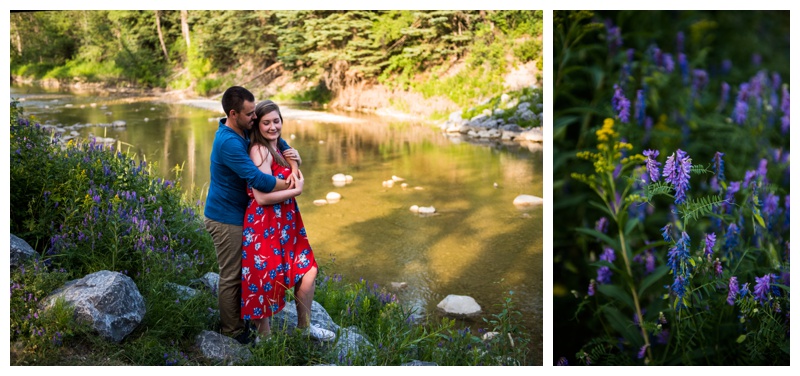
(231, 172)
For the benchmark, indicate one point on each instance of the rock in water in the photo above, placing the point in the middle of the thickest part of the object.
(459, 305)
(333, 197)
(528, 201)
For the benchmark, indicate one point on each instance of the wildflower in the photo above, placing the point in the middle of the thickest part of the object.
(699, 80)
(719, 166)
(601, 225)
(785, 109)
(727, 65)
(662, 319)
(662, 338)
(740, 111)
(666, 232)
(731, 238)
(718, 267)
(744, 290)
(761, 290)
(676, 172)
(604, 272)
(733, 288)
(652, 165)
(749, 176)
(614, 37)
(642, 351)
(562, 361)
(711, 239)
(678, 261)
(640, 107)
(620, 104)
(683, 64)
(669, 63)
(679, 38)
(591, 288)
(726, 91)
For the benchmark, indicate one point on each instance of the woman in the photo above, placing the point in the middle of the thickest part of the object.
(276, 255)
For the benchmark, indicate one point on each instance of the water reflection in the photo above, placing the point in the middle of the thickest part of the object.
(477, 244)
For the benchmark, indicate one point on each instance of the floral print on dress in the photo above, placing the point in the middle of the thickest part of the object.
(275, 254)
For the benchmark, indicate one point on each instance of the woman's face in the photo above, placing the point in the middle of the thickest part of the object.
(270, 126)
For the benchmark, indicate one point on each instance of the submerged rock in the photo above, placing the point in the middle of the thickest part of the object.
(459, 306)
(528, 201)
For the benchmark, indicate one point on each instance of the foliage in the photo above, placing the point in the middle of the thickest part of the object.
(682, 211)
(85, 207)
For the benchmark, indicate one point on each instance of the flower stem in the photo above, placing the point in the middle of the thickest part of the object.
(633, 291)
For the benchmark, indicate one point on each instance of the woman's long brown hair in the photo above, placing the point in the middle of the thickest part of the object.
(256, 138)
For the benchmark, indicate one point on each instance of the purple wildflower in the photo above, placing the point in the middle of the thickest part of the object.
(676, 172)
(662, 338)
(683, 64)
(652, 165)
(604, 273)
(679, 263)
(718, 267)
(642, 351)
(614, 37)
(731, 239)
(699, 79)
(669, 63)
(562, 361)
(719, 166)
(744, 290)
(785, 109)
(640, 107)
(666, 232)
(591, 288)
(679, 38)
(726, 93)
(749, 176)
(620, 104)
(601, 225)
(727, 65)
(711, 239)
(761, 291)
(733, 288)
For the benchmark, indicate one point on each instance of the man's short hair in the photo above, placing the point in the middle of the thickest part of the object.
(234, 98)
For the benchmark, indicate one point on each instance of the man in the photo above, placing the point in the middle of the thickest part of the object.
(231, 172)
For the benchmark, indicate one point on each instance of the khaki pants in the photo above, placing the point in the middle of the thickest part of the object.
(228, 244)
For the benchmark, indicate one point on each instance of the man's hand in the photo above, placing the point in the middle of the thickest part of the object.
(292, 155)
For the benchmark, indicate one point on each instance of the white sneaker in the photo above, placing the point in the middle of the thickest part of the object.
(318, 333)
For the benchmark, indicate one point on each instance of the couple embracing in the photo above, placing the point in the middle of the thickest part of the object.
(252, 215)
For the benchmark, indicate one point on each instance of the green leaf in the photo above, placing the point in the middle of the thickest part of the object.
(605, 238)
(741, 338)
(759, 219)
(615, 292)
(601, 207)
(652, 278)
(630, 225)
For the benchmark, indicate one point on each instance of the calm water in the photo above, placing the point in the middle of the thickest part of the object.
(478, 243)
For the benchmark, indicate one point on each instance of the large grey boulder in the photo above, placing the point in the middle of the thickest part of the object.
(350, 342)
(109, 301)
(459, 306)
(221, 348)
(209, 280)
(20, 251)
(286, 319)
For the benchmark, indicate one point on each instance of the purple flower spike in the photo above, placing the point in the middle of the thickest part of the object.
(726, 93)
(669, 63)
(733, 288)
(700, 79)
(785, 110)
(683, 63)
(640, 107)
(711, 239)
(719, 166)
(601, 225)
(761, 291)
(676, 172)
(666, 232)
(652, 165)
(591, 288)
(679, 38)
(620, 104)
(642, 351)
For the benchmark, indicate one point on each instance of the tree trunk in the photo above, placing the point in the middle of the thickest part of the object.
(185, 26)
(161, 35)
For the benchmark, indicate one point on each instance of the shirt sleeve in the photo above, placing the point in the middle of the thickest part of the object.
(235, 157)
(282, 145)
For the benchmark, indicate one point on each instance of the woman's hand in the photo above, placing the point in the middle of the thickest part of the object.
(299, 182)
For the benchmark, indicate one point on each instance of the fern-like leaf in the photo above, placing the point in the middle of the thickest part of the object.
(694, 209)
(656, 189)
(697, 170)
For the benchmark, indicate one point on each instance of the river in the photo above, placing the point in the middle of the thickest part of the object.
(477, 244)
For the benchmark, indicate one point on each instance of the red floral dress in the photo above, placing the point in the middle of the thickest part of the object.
(275, 253)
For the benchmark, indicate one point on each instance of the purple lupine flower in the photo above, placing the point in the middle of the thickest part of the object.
(762, 169)
(630, 56)
(679, 263)
(642, 351)
(711, 239)
(733, 288)
(601, 225)
(652, 165)
(749, 176)
(669, 63)
(718, 267)
(744, 290)
(640, 107)
(719, 166)
(731, 239)
(727, 65)
(726, 93)
(683, 64)
(591, 288)
(770, 205)
(740, 111)
(604, 273)
(761, 290)
(757, 59)
(620, 104)
(662, 338)
(785, 109)
(699, 79)
(658, 57)
(614, 37)
(666, 232)
(679, 288)
(676, 172)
